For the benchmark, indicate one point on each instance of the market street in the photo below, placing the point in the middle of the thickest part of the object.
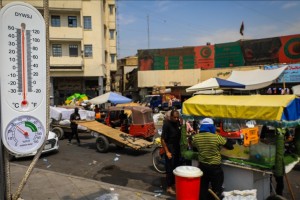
(125, 167)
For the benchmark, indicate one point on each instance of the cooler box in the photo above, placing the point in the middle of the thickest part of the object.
(187, 179)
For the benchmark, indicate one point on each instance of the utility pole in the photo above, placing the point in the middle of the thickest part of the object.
(148, 31)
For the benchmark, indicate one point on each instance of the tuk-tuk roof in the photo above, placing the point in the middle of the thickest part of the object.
(142, 109)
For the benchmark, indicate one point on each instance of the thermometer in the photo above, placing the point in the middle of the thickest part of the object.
(24, 70)
(24, 134)
(23, 77)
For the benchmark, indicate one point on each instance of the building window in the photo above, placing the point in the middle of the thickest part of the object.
(88, 51)
(105, 56)
(111, 34)
(73, 50)
(87, 22)
(111, 9)
(55, 20)
(56, 50)
(72, 21)
(105, 29)
(112, 58)
(104, 4)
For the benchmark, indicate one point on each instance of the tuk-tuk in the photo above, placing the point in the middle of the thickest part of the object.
(243, 134)
(135, 120)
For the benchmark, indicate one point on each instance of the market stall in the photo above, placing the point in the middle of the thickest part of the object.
(251, 167)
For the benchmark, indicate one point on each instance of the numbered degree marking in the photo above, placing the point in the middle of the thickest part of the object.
(23, 88)
(24, 133)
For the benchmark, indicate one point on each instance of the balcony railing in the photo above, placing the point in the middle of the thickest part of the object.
(66, 63)
(65, 33)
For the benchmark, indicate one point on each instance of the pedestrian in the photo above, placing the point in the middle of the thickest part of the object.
(209, 145)
(74, 126)
(170, 139)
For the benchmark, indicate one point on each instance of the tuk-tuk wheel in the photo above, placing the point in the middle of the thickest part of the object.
(156, 110)
(102, 144)
(59, 132)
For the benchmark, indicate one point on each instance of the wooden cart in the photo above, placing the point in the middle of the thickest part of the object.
(106, 135)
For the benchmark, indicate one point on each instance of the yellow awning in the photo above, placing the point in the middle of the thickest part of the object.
(259, 107)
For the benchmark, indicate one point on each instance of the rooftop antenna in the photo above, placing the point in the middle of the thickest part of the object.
(148, 31)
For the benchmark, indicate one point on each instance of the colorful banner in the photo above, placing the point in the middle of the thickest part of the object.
(146, 59)
(261, 51)
(228, 55)
(285, 49)
(204, 57)
(291, 73)
(290, 49)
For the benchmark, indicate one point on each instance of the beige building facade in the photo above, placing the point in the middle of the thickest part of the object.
(82, 46)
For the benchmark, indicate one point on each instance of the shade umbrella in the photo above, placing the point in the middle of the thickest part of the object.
(111, 97)
(214, 83)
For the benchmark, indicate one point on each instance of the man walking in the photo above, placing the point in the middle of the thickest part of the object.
(74, 126)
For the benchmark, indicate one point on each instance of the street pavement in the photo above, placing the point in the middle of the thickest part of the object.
(44, 184)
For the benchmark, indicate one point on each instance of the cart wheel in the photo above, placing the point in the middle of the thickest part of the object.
(59, 132)
(102, 144)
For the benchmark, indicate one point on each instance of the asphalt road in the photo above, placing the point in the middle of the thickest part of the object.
(125, 167)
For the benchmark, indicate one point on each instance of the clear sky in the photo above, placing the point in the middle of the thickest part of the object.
(177, 23)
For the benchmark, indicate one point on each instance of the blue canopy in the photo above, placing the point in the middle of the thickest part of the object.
(111, 97)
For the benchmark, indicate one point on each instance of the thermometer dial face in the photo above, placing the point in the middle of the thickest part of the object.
(24, 60)
(24, 134)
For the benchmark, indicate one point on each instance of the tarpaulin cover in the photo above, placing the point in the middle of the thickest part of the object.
(110, 97)
(256, 107)
(255, 79)
(213, 83)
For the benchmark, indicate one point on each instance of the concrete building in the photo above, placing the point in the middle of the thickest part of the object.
(83, 53)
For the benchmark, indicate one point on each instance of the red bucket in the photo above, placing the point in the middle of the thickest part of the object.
(187, 180)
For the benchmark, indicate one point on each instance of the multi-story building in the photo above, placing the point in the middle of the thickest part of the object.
(82, 46)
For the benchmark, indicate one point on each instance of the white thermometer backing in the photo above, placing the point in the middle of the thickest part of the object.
(22, 77)
(23, 58)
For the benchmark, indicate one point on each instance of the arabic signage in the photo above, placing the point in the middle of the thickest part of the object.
(290, 74)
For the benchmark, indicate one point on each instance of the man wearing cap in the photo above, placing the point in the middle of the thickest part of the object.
(209, 145)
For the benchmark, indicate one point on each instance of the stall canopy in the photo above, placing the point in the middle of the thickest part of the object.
(256, 107)
(214, 83)
(111, 97)
(296, 90)
(255, 79)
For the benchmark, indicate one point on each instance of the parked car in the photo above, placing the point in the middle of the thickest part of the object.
(161, 102)
(50, 146)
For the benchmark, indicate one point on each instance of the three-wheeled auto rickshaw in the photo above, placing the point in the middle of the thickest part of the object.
(135, 130)
(137, 121)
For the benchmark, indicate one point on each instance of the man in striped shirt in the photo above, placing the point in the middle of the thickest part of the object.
(209, 145)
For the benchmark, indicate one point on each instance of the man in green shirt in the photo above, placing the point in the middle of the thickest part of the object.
(209, 145)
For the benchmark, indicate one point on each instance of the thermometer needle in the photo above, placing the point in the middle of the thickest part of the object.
(24, 102)
(22, 131)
